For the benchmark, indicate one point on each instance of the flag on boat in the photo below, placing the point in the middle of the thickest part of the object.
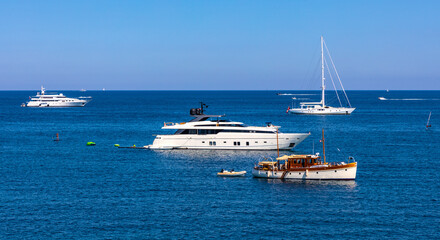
(288, 108)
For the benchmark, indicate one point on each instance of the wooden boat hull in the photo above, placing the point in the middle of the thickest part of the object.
(343, 172)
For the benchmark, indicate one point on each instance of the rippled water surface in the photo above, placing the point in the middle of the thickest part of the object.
(68, 190)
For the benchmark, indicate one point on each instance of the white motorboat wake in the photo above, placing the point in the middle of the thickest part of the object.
(295, 94)
(408, 99)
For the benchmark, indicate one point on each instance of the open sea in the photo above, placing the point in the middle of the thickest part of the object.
(68, 190)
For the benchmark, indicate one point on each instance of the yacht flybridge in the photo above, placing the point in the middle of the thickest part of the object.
(319, 108)
(55, 100)
(215, 132)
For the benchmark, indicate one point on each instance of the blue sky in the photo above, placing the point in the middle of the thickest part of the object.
(217, 45)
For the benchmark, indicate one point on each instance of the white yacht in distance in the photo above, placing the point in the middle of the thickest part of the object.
(319, 108)
(55, 100)
(215, 132)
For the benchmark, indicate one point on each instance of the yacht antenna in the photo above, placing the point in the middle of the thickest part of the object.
(322, 72)
(201, 107)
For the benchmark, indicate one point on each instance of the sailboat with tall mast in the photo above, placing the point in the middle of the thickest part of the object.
(320, 108)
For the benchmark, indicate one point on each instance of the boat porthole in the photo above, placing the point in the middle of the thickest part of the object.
(275, 173)
(316, 172)
(345, 169)
(299, 173)
(335, 171)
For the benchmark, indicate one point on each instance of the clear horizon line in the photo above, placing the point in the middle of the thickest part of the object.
(273, 90)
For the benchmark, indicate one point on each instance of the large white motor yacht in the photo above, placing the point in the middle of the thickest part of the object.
(55, 100)
(215, 132)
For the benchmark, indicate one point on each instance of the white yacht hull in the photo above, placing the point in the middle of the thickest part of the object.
(80, 103)
(322, 111)
(348, 173)
(229, 141)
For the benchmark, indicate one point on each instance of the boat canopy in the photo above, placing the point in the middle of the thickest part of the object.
(286, 157)
(267, 163)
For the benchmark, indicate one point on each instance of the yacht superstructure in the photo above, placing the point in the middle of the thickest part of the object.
(215, 132)
(55, 100)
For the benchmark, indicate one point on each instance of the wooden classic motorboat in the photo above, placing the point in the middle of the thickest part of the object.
(306, 167)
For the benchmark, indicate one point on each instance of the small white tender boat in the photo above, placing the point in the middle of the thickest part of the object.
(225, 173)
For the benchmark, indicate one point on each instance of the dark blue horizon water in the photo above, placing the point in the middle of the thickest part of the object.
(68, 190)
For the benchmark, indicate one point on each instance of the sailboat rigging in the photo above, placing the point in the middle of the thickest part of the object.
(319, 108)
(427, 124)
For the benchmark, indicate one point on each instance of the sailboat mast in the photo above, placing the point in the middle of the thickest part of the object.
(427, 124)
(322, 72)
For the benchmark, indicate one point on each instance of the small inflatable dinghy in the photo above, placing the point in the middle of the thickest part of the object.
(232, 173)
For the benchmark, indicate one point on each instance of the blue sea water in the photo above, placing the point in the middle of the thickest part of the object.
(68, 190)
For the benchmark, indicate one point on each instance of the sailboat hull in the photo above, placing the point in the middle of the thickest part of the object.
(322, 111)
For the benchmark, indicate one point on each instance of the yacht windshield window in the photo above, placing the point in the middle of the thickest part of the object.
(245, 131)
(207, 131)
(188, 131)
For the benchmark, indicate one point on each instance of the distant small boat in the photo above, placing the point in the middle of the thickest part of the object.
(388, 90)
(382, 98)
(54, 100)
(82, 90)
(232, 173)
(427, 124)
